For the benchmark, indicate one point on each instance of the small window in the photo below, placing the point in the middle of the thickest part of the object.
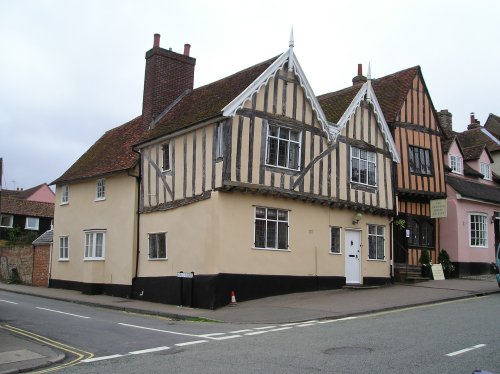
(363, 167)
(32, 223)
(6, 220)
(478, 230)
(100, 189)
(157, 246)
(64, 194)
(95, 242)
(456, 164)
(219, 141)
(335, 240)
(165, 149)
(375, 242)
(63, 248)
(283, 147)
(485, 169)
(420, 160)
(271, 228)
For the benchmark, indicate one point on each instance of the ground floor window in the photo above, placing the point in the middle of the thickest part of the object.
(271, 228)
(421, 231)
(375, 242)
(334, 239)
(63, 248)
(157, 246)
(95, 242)
(478, 230)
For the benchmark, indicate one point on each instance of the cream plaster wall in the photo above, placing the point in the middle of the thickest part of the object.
(115, 214)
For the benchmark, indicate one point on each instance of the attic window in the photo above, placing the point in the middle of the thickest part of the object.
(485, 169)
(456, 164)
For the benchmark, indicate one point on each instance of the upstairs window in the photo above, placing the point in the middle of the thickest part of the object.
(32, 223)
(95, 244)
(100, 190)
(283, 147)
(456, 164)
(63, 248)
(363, 167)
(157, 246)
(165, 156)
(485, 169)
(219, 141)
(376, 242)
(6, 220)
(420, 160)
(64, 194)
(478, 230)
(271, 228)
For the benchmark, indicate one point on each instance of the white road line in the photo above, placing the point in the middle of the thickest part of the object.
(227, 337)
(158, 330)
(190, 343)
(94, 359)
(346, 318)
(291, 324)
(265, 328)
(306, 324)
(465, 350)
(256, 333)
(157, 349)
(10, 302)
(282, 328)
(214, 334)
(328, 321)
(57, 311)
(239, 331)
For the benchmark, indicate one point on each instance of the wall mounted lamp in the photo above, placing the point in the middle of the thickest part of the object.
(357, 218)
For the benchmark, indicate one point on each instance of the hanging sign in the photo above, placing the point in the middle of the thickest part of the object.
(439, 208)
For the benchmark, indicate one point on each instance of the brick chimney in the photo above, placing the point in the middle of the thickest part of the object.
(474, 123)
(168, 74)
(445, 119)
(359, 79)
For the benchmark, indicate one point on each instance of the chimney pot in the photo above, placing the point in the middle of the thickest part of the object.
(472, 118)
(360, 69)
(187, 48)
(156, 43)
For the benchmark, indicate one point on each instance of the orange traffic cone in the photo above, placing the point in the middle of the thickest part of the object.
(233, 298)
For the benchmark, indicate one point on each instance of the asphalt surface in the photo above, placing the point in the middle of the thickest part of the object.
(21, 352)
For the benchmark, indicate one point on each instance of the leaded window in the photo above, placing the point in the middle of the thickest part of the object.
(375, 242)
(363, 166)
(271, 228)
(283, 147)
(420, 160)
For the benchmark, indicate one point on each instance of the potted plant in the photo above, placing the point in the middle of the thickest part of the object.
(444, 260)
(426, 262)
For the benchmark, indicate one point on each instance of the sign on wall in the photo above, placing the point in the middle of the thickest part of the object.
(439, 208)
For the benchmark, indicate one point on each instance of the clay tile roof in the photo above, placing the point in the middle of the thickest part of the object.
(111, 153)
(391, 92)
(474, 190)
(492, 124)
(472, 153)
(477, 137)
(206, 102)
(469, 171)
(446, 144)
(26, 207)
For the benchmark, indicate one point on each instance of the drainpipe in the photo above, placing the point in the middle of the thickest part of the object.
(138, 179)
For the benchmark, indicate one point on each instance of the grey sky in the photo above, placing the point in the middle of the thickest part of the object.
(70, 70)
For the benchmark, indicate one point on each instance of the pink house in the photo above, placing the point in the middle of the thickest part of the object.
(470, 232)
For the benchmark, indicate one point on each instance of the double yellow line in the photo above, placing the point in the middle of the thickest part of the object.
(80, 354)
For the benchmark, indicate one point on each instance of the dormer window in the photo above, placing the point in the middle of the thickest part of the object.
(485, 169)
(456, 164)
(283, 147)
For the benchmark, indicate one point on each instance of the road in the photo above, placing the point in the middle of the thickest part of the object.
(452, 337)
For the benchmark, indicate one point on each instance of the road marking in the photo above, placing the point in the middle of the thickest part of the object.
(306, 324)
(94, 359)
(291, 324)
(158, 330)
(214, 334)
(256, 333)
(227, 337)
(57, 311)
(265, 327)
(190, 343)
(6, 301)
(328, 321)
(239, 331)
(282, 328)
(465, 350)
(157, 349)
(346, 318)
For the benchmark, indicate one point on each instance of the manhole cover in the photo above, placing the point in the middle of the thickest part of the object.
(348, 351)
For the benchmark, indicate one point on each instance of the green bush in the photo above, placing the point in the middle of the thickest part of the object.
(444, 260)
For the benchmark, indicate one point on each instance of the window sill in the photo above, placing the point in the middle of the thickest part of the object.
(363, 187)
(65, 203)
(6, 227)
(281, 169)
(93, 259)
(335, 253)
(166, 172)
(100, 199)
(63, 260)
(157, 259)
(478, 247)
(271, 249)
(376, 260)
(31, 228)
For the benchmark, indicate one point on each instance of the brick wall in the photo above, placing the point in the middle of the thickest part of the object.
(20, 258)
(41, 265)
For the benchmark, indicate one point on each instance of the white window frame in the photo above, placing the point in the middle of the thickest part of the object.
(100, 190)
(288, 141)
(483, 227)
(219, 141)
(64, 248)
(368, 161)
(485, 169)
(456, 164)
(376, 235)
(166, 156)
(149, 246)
(331, 242)
(32, 227)
(90, 245)
(64, 194)
(11, 220)
(277, 220)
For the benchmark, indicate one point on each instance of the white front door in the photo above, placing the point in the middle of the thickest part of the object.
(352, 257)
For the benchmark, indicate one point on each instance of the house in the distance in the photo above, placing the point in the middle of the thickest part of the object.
(27, 212)
(470, 232)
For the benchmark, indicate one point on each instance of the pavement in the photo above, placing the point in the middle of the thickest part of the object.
(18, 354)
